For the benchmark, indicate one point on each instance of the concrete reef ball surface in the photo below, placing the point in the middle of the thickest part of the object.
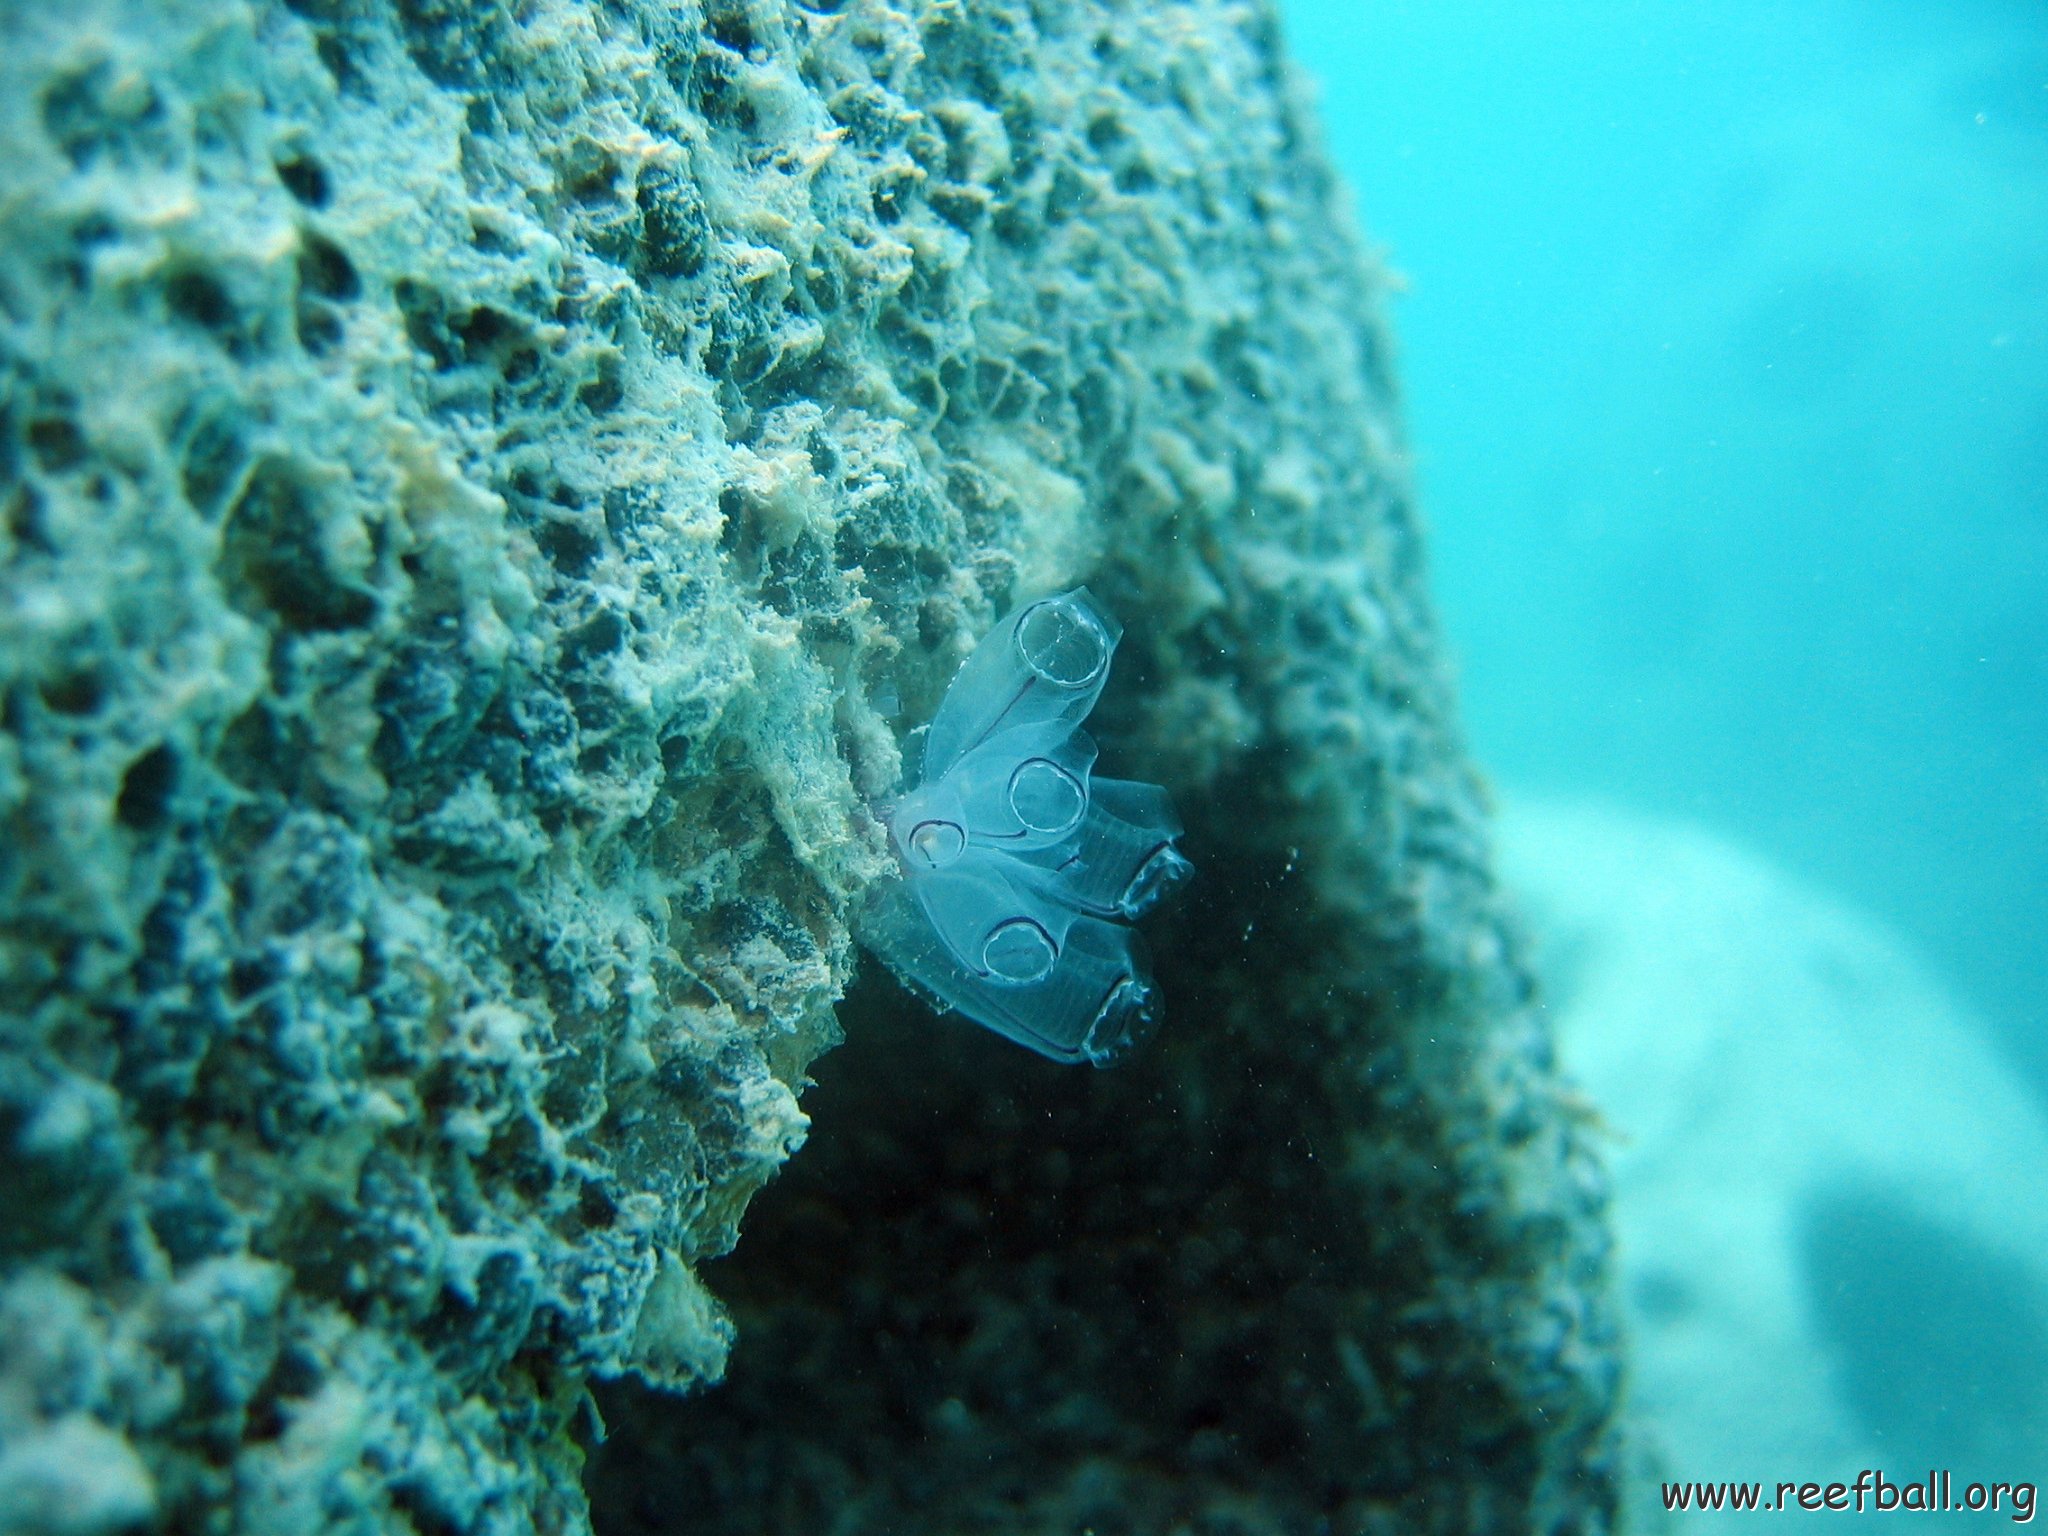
(486, 493)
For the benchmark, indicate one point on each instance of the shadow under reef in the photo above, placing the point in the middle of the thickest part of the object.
(996, 1294)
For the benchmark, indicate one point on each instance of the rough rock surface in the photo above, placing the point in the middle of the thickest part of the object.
(485, 492)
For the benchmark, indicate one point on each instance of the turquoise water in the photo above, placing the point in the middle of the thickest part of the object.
(1726, 344)
(1727, 351)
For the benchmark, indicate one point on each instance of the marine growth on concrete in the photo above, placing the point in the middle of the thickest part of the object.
(487, 493)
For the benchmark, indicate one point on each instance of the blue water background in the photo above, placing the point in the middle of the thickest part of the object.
(1727, 359)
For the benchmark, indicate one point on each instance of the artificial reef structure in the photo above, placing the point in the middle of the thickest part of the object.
(487, 494)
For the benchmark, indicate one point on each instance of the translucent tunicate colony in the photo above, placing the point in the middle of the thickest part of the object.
(1020, 868)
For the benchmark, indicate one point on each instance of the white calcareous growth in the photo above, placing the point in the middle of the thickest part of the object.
(1021, 870)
